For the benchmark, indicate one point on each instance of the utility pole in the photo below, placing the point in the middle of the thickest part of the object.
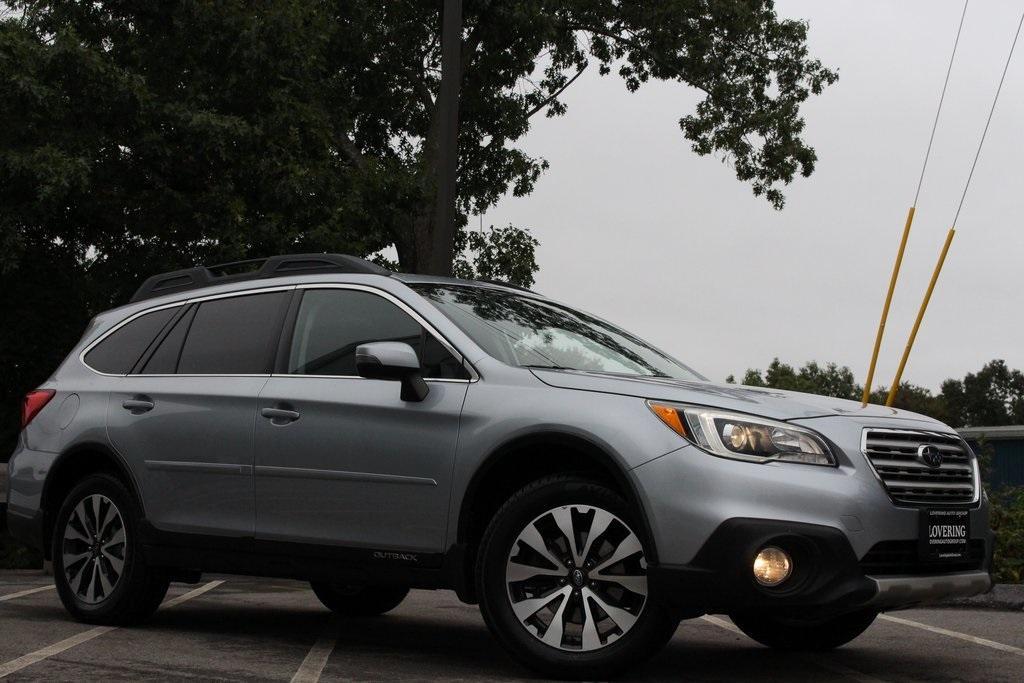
(443, 242)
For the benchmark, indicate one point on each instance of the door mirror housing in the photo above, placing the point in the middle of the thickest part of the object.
(396, 361)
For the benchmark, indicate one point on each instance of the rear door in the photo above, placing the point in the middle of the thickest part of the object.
(184, 418)
(357, 466)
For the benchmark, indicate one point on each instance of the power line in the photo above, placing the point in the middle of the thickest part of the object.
(942, 97)
(988, 121)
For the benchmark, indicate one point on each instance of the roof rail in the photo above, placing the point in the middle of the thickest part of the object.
(253, 269)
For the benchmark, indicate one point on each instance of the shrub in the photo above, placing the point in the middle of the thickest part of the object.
(1008, 524)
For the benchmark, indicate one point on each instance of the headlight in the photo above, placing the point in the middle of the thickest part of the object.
(743, 437)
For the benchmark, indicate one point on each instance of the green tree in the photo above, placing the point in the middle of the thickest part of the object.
(812, 378)
(196, 129)
(990, 397)
(915, 399)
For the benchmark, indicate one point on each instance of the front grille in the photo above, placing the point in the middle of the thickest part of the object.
(901, 558)
(894, 455)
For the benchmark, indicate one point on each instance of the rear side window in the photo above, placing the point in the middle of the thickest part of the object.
(164, 360)
(331, 323)
(233, 336)
(116, 354)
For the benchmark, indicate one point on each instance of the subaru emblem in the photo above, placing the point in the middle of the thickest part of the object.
(930, 455)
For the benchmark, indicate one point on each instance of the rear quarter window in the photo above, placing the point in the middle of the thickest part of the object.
(121, 349)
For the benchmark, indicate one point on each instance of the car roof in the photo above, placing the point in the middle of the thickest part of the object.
(280, 266)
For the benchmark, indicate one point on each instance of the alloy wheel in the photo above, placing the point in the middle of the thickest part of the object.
(93, 549)
(577, 578)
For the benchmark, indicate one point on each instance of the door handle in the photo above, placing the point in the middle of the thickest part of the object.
(280, 415)
(138, 405)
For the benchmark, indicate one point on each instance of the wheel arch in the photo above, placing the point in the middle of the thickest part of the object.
(550, 452)
(74, 464)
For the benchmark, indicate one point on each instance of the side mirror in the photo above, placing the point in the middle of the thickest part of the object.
(393, 361)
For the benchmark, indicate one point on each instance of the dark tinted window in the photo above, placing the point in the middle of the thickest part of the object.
(438, 362)
(121, 350)
(331, 323)
(234, 336)
(164, 360)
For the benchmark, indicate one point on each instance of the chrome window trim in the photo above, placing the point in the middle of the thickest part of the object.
(474, 375)
(278, 375)
(183, 302)
(973, 457)
(164, 374)
(115, 328)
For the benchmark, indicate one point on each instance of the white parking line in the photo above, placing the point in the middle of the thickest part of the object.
(21, 594)
(313, 665)
(955, 634)
(722, 623)
(191, 594)
(20, 663)
(31, 658)
(824, 663)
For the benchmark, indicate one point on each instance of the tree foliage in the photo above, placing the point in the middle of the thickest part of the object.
(992, 396)
(1007, 522)
(184, 130)
(812, 378)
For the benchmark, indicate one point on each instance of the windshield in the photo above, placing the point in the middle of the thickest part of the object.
(528, 332)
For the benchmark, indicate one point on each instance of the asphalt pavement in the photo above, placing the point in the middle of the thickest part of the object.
(231, 629)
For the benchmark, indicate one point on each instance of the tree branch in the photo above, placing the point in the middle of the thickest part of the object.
(553, 96)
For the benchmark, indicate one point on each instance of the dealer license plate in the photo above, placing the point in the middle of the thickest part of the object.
(945, 535)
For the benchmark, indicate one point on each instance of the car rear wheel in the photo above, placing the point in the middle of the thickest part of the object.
(562, 580)
(359, 601)
(98, 566)
(815, 635)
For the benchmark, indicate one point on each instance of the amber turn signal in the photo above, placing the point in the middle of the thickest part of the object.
(670, 416)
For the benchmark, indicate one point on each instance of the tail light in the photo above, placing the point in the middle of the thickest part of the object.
(33, 402)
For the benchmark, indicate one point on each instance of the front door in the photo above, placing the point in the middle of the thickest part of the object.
(342, 460)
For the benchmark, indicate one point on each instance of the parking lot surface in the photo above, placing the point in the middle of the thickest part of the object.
(230, 628)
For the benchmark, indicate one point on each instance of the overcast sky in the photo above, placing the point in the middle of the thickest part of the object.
(636, 228)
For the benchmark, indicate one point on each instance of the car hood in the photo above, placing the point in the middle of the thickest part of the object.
(772, 403)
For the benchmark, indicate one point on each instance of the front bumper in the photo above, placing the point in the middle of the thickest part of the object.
(902, 591)
(827, 576)
(708, 517)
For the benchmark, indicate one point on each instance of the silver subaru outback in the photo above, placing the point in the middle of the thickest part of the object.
(319, 418)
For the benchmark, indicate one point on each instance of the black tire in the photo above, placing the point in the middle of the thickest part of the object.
(359, 601)
(809, 635)
(652, 628)
(139, 589)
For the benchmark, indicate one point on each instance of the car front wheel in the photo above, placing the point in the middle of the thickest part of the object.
(562, 580)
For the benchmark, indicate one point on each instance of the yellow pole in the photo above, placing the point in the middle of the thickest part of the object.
(894, 387)
(885, 308)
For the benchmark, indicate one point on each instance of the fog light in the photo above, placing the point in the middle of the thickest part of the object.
(772, 566)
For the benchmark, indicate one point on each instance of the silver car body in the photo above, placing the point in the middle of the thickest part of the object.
(363, 470)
